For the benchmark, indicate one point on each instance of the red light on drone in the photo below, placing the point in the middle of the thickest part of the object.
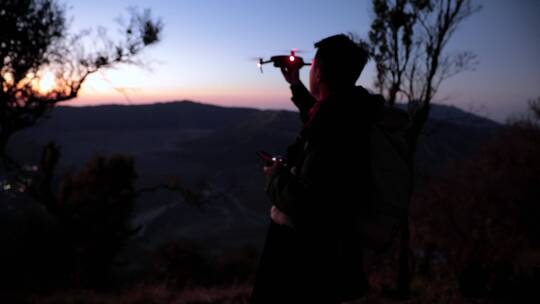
(291, 58)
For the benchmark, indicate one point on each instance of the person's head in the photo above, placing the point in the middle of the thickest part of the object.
(337, 65)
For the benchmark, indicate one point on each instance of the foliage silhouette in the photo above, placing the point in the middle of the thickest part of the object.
(94, 209)
(481, 218)
(35, 41)
(408, 40)
(74, 240)
(89, 213)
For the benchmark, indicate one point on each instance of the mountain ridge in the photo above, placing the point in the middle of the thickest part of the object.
(438, 111)
(188, 142)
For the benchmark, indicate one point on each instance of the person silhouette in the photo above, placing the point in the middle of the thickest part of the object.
(311, 254)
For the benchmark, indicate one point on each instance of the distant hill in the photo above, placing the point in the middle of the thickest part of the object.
(178, 115)
(190, 142)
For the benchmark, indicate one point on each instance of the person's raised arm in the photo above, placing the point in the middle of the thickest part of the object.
(300, 94)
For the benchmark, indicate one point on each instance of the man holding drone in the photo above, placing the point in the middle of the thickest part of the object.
(311, 254)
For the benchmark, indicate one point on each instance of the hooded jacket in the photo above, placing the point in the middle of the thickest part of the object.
(326, 182)
(328, 171)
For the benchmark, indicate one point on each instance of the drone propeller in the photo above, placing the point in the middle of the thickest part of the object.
(260, 64)
(295, 50)
(260, 61)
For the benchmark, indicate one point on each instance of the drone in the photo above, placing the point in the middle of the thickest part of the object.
(280, 61)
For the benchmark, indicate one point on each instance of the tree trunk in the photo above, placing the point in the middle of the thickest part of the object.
(404, 278)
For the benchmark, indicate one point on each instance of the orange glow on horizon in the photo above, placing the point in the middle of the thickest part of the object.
(228, 98)
(133, 87)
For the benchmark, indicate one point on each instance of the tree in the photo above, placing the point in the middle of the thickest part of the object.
(35, 44)
(93, 210)
(71, 234)
(391, 37)
(408, 40)
(534, 107)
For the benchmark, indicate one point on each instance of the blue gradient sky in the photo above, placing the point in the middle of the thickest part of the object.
(206, 48)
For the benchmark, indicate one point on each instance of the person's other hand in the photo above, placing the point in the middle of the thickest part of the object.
(291, 75)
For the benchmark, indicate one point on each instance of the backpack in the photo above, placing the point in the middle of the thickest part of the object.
(392, 181)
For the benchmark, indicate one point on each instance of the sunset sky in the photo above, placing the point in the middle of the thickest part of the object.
(207, 45)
